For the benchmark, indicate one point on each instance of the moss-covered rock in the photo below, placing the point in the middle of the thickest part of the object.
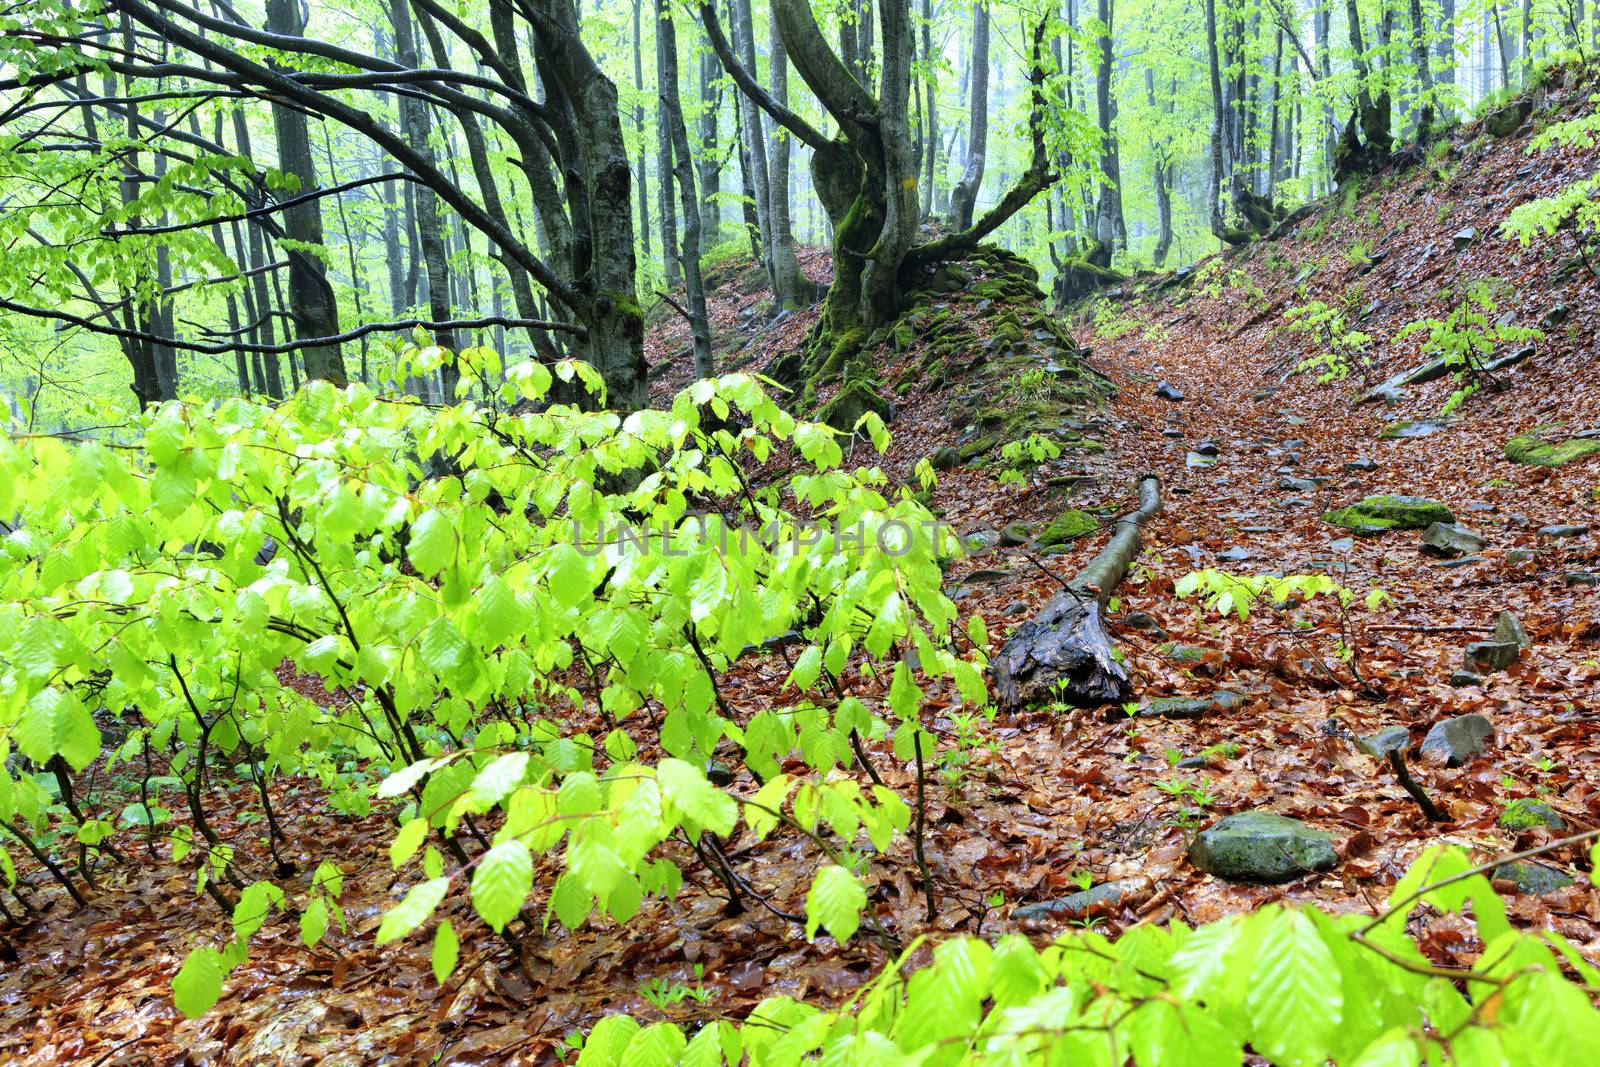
(1535, 452)
(1067, 526)
(854, 400)
(1391, 513)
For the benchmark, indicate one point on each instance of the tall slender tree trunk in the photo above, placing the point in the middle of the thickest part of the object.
(664, 172)
(1105, 211)
(930, 94)
(755, 137)
(683, 173)
(964, 199)
(709, 163)
(793, 289)
(643, 179)
(314, 308)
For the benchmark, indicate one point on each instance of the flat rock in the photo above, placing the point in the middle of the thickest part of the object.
(1391, 512)
(1176, 708)
(1412, 428)
(1168, 392)
(1455, 741)
(1563, 530)
(1464, 237)
(1575, 579)
(1234, 555)
(1535, 451)
(1297, 485)
(1386, 740)
(1259, 846)
(1096, 900)
(1451, 539)
(1532, 879)
(1361, 466)
(1485, 656)
(1465, 679)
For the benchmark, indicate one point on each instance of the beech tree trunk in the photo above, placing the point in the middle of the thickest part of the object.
(313, 308)
(964, 198)
(683, 174)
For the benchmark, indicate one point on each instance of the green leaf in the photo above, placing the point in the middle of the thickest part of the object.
(432, 545)
(496, 781)
(413, 911)
(835, 902)
(446, 952)
(607, 1041)
(1296, 999)
(502, 882)
(198, 983)
(314, 922)
(57, 723)
(407, 841)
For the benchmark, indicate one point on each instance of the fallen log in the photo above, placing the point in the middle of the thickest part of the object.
(1064, 653)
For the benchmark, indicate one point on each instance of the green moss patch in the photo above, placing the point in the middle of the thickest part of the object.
(1534, 452)
(1391, 513)
(1067, 526)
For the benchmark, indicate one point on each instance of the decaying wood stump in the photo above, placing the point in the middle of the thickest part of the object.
(1064, 653)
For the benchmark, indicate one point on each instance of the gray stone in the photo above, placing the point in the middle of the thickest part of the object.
(1586, 579)
(1555, 316)
(1455, 741)
(1532, 879)
(1258, 846)
(1520, 555)
(1509, 628)
(1172, 433)
(1176, 708)
(1297, 485)
(1208, 448)
(1451, 539)
(1505, 121)
(1099, 899)
(1234, 555)
(982, 576)
(1465, 237)
(1385, 741)
(1197, 461)
(1168, 392)
(1187, 653)
(946, 458)
(1486, 656)
(1016, 607)
(1140, 620)
(1228, 700)
(1361, 466)
(1014, 534)
(1454, 564)
(1341, 544)
(1563, 530)
(1412, 428)
(1464, 679)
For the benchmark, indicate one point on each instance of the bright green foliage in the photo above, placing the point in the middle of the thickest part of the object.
(1236, 593)
(450, 574)
(1466, 336)
(1340, 345)
(1297, 986)
(1575, 210)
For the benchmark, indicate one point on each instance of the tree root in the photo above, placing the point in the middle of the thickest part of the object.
(1064, 652)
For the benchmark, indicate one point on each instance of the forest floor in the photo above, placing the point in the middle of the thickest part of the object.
(1040, 804)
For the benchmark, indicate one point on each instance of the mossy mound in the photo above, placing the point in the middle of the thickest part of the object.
(1067, 526)
(1391, 513)
(1533, 451)
(854, 400)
